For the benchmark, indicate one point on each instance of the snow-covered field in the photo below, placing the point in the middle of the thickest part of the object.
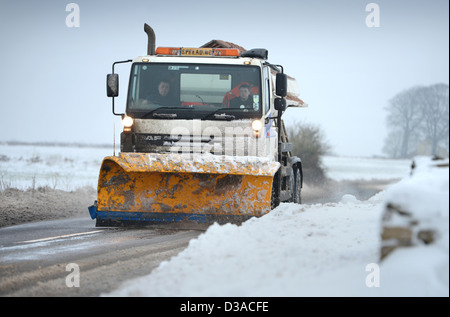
(329, 249)
(68, 168)
(357, 168)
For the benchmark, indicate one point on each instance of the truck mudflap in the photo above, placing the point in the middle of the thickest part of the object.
(172, 188)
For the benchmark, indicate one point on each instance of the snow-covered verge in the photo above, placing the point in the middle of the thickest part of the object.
(44, 182)
(57, 167)
(328, 249)
(20, 206)
(419, 206)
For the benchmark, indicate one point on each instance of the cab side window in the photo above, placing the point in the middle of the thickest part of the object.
(267, 90)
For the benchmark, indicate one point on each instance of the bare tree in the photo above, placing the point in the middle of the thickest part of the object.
(392, 144)
(435, 114)
(404, 119)
(416, 115)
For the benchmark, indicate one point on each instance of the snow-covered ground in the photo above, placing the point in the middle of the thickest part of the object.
(65, 168)
(357, 168)
(330, 249)
(70, 167)
(315, 250)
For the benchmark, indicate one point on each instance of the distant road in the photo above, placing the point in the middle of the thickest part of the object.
(51, 258)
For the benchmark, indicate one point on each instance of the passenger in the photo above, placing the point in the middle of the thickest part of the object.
(245, 99)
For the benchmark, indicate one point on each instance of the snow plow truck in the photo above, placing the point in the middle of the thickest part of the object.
(203, 139)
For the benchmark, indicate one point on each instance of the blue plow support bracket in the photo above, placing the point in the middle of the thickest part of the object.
(93, 211)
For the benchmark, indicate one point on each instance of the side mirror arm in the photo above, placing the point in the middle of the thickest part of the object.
(112, 85)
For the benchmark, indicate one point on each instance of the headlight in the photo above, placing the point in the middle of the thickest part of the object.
(127, 123)
(257, 125)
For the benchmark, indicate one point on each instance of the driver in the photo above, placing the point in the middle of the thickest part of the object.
(162, 97)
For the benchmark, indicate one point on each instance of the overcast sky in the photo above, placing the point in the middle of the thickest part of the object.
(52, 84)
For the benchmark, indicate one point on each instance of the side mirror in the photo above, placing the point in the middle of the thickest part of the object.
(112, 85)
(280, 104)
(281, 84)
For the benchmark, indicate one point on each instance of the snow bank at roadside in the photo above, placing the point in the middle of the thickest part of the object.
(423, 199)
(309, 250)
(21, 206)
(292, 251)
(425, 195)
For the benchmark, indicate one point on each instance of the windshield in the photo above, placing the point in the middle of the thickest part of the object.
(194, 91)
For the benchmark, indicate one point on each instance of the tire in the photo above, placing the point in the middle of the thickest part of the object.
(291, 185)
(297, 195)
(275, 199)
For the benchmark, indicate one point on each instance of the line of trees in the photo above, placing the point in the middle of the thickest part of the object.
(418, 122)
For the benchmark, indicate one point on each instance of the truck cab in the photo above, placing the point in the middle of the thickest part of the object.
(197, 100)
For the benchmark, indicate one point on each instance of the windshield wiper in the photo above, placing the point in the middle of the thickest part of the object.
(222, 116)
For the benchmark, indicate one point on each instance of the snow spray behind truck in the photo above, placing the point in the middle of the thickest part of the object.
(203, 139)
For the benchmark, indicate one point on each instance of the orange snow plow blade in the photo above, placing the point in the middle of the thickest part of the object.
(167, 188)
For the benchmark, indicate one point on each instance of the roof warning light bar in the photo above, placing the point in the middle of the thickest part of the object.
(189, 51)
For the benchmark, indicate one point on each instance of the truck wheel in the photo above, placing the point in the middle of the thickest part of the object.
(275, 198)
(297, 186)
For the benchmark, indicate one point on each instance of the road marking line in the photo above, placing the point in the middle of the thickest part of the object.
(62, 236)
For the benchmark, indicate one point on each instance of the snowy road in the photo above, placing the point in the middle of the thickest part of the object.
(49, 258)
